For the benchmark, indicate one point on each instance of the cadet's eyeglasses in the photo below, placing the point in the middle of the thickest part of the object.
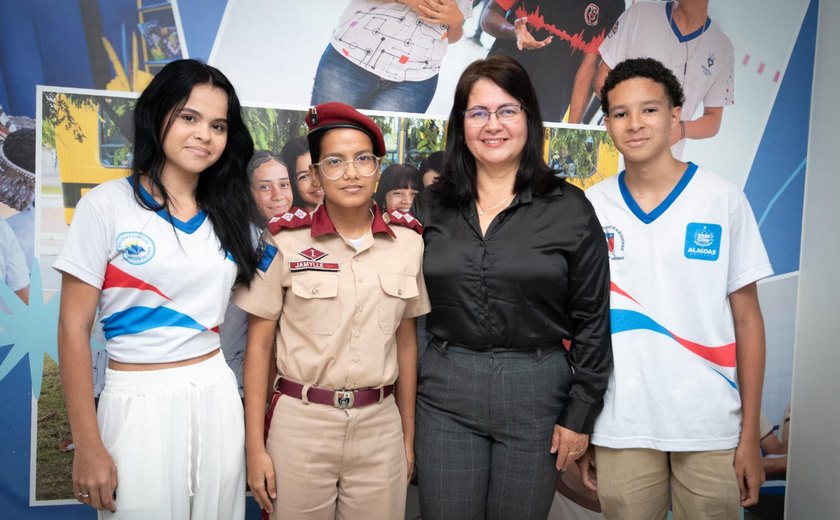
(334, 167)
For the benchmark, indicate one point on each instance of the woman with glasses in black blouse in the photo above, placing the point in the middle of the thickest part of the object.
(516, 267)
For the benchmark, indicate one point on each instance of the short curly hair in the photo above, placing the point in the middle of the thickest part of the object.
(643, 68)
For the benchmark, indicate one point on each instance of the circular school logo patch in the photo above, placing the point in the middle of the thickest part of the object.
(136, 248)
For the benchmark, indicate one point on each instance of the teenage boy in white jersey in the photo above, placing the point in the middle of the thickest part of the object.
(680, 424)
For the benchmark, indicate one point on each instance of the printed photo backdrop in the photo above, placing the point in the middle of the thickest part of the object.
(57, 142)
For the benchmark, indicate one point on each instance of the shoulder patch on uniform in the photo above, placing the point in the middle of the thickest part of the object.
(268, 254)
(292, 219)
(397, 218)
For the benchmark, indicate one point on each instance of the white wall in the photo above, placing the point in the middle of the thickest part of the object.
(814, 469)
(777, 296)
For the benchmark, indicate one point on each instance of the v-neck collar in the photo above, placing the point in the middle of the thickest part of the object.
(663, 206)
(669, 13)
(189, 227)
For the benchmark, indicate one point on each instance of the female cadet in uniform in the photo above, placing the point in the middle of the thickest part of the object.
(158, 254)
(515, 264)
(345, 285)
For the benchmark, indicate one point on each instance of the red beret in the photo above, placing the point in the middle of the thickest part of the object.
(327, 116)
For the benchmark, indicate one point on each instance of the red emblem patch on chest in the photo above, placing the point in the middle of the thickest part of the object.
(312, 253)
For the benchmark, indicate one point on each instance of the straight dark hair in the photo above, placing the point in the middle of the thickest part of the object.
(457, 183)
(397, 177)
(290, 153)
(223, 188)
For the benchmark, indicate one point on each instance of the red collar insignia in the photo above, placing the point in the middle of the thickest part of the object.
(396, 218)
(292, 219)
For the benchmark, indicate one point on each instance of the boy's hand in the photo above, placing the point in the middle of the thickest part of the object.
(586, 465)
(749, 472)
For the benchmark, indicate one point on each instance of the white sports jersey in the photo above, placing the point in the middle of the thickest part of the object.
(674, 385)
(702, 61)
(390, 40)
(164, 290)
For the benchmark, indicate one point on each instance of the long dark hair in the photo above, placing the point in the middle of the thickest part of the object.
(223, 189)
(397, 177)
(456, 185)
(289, 154)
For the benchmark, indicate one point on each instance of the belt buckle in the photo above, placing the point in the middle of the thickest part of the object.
(343, 399)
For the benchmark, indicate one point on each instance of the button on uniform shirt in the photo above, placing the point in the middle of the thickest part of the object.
(338, 307)
(540, 275)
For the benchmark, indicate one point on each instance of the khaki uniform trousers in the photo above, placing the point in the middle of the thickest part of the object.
(333, 464)
(633, 484)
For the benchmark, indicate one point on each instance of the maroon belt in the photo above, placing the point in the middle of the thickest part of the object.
(339, 398)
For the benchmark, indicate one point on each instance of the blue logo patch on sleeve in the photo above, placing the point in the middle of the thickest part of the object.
(267, 256)
(702, 241)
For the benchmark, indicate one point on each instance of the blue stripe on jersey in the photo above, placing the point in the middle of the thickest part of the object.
(140, 319)
(669, 12)
(267, 256)
(188, 227)
(647, 218)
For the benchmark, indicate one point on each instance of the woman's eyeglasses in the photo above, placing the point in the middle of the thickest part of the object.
(480, 116)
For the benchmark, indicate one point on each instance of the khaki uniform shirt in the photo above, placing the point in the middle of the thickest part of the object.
(338, 308)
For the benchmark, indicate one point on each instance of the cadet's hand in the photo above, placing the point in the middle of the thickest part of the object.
(524, 39)
(261, 479)
(568, 445)
(94, 477)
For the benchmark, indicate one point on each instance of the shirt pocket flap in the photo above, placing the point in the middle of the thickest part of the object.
(315, 285)
(399, 285)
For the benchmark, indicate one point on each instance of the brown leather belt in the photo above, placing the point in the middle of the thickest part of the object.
(339, 398)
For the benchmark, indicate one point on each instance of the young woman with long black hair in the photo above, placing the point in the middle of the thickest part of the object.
(157, 254)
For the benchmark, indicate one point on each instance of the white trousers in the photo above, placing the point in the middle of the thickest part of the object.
(177, 438)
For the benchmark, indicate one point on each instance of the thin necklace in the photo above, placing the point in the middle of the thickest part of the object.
(482, 211)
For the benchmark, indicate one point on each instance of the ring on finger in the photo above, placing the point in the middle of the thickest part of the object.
(83, 495)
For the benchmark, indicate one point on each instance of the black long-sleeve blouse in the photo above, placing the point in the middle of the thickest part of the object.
(539, 276)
